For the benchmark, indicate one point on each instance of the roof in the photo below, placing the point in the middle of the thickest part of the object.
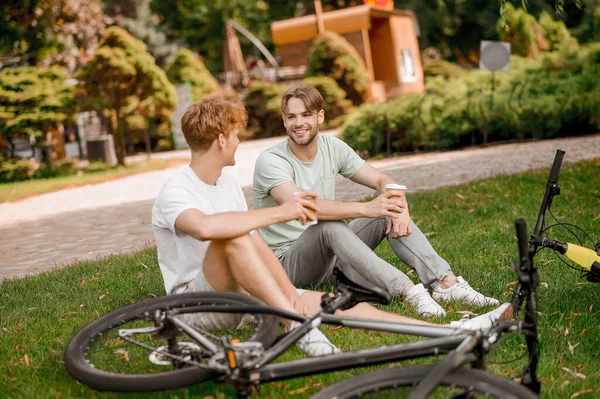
(341, 21)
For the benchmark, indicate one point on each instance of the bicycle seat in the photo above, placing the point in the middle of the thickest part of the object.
(361, 289)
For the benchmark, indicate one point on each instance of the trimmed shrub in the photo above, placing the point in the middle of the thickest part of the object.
(560, 99)
(336, 105)
(16, 170)
(442, 68)
(372, 126)
(187, 67)
(332, 55)
(263, 103)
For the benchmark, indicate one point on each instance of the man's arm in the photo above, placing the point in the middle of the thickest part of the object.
(368, 176)
(228, 225)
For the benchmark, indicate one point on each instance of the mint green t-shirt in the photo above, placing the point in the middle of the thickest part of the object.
(278, 165)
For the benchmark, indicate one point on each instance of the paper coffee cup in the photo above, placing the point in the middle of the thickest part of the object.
(400, 189)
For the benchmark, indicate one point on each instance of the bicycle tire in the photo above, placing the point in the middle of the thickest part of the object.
(378, 382)
(265, 330)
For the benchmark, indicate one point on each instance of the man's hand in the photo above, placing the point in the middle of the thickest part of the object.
(400, 224)
(386, 204)
(297, 302)
(299, 207)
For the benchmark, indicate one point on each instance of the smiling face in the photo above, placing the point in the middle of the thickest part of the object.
(301, 124)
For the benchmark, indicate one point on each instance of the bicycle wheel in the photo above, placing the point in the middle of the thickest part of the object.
(101, 358)
(400, 382)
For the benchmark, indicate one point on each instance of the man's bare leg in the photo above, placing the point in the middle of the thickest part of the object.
(360, 311)
(366, 311)
(235, 265)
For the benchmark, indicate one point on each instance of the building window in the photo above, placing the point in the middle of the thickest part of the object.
(407, 67)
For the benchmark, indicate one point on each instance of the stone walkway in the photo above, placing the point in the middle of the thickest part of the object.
(91, 222)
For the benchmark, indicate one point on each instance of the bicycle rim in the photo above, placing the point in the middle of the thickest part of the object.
(99, 357)
(400, 382)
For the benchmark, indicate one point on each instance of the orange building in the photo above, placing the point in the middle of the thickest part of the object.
(387, 40)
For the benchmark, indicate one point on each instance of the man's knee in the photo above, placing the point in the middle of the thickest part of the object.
(332, 226)
(233, 245)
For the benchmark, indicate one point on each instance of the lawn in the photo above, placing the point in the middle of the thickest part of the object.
(470, 225)
(10, 192)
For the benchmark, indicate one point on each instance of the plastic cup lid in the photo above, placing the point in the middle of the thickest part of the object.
(395, 186)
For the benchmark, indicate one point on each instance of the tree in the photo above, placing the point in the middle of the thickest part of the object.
(121, 79)
(34, 100)
(49, 32)
(136, 17)
(332, 55)
(187, 68)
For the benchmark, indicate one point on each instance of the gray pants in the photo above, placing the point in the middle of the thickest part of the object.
(311, 258)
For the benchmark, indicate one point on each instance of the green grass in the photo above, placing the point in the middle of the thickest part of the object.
(10, 192)
(470, 225)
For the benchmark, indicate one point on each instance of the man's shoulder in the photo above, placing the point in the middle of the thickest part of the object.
(181, 178)
(228, 181)
(274, 154)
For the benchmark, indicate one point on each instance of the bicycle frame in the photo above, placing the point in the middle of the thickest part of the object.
(245, 375)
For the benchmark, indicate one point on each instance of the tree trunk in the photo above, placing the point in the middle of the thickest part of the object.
(147, 142)
(119, 138)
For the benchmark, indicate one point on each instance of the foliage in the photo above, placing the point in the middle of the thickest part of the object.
(523, 32)
(123, 79)
(559, 99)
(336, 105)
(263, 104)
(556, 34)
(201, 24)
(61, 32)
(367, 130)
(187, 67)
(442, 68)
(17, 170)
(33, 100)
(332, 55)
(136, 17)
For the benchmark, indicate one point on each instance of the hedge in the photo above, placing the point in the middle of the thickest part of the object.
(560, 98)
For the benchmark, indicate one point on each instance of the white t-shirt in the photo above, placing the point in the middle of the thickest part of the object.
(180, 256)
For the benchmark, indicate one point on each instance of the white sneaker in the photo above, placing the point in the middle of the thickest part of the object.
(485, 321)
(462, 292)
(315, 343)
(418, 297)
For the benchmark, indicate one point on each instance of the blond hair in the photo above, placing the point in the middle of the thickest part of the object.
(312, 99)
(203, 122)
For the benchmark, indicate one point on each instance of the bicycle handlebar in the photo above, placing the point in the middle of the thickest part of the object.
(551, 190)
(555, 171)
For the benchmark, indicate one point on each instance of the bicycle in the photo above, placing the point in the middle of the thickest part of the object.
(186, 355)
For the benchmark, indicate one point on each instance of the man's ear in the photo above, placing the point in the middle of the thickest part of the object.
(321, 117)
(221, 141)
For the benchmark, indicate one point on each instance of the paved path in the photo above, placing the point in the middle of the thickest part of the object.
(90, 222)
